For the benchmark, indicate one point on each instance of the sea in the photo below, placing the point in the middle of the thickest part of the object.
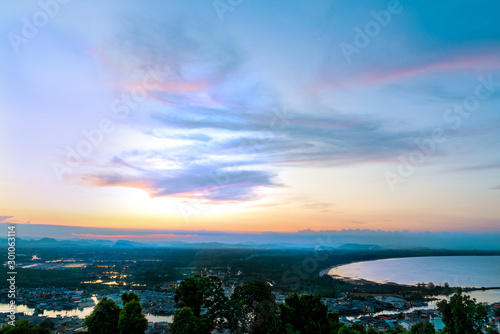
(457, 271)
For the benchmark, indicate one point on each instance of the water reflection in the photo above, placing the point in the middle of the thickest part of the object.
(80, 313)
(487, 296)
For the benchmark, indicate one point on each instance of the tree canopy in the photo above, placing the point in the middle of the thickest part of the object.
(131, 320)
(423, 327)
(462, 315)
(206, 299)
(24, 327)
(185, 322)
(252, 309)
(306, 314)
(109, 318)
(104, 318)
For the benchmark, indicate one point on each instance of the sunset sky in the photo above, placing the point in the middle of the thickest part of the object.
(251, 116)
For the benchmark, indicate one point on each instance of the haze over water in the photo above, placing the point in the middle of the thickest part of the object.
(465, 271)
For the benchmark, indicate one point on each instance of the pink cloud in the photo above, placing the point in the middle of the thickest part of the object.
(380, 75)
(477, 62)
(132, 236)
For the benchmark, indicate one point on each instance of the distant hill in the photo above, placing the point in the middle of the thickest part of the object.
(68, 236)
(352, 246)
(127, 244)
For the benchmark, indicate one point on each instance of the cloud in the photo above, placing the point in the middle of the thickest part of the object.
(384, 73)
(3, 218)
(212, 181)
(318, 206)
(162, 236)
(355, 222)
(328, 238)
(475, 61)
(496, 187)
(239, 151)
(478, 167)
(213, 129)
(217, 185)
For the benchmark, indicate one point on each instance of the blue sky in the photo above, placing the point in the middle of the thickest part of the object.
(251, 115)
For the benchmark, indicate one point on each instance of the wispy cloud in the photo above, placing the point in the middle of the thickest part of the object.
(477, 167)
(227, 137)
(4, 218)
(206, 182)
(326, 238)
(225, 132)
(384, 73)
(318, 206)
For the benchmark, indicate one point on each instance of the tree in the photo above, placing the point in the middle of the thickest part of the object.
(447, 289)
(48, 323)
(423, 327)
(185, 322)
(252, 309)
(345, 330)
(397, 330)
(131, 320)
(128, 297)
(334, 320)
(358, 328)
(206, 298)
(306, 313)
(462, 315)
(24, 327)
(104, 318)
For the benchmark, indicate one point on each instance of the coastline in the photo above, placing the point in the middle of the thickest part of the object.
(368, 282)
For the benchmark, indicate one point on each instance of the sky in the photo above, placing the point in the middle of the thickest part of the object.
(250, 116)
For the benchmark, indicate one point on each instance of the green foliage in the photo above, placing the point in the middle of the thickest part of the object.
(497, 312)
(252, 309)
(48, 323)
(192, 293)
(128, 297)
(371, 330)
(423, 327)
(359, 328)
(185, 322)
(205, 294)
(306, 314)
(462, 315)
(108, 318)
(346, 330)
(334, 320)
(131, 320)
(397, 330)
(24, 327)
(491, 330)
(104, 318)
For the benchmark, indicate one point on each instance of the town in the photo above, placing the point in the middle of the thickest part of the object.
(380, 312)
(60, 287)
